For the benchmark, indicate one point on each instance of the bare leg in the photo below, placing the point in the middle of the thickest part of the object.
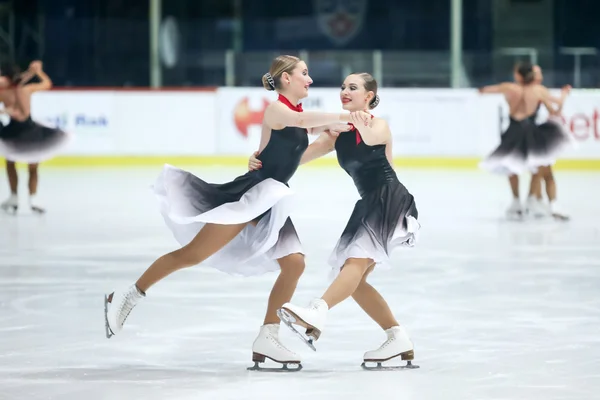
(369, 299)
(208, 241)
(546, 173)
(268, 344)
(292, 267)
(551, 192)
(514, 185)
(535, 187)
(33, 178)
(347, 281)
(13, 178)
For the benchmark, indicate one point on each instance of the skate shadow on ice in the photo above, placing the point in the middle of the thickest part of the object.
(154, 373)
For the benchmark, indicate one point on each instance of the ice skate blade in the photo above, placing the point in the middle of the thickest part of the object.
(515, 217)
(258, 358)
(10, 210)
(109, 333)
(284, 367)
(559, 217)
(311, 331)
(38, 210)
(288, 319)
(380, 367)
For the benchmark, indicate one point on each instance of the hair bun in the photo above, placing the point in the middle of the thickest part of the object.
(374, 102)
(268, 82)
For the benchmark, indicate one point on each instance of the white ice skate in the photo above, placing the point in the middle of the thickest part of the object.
(557, 213)
(312, 318)
(398, 344)
(35, 206)
(11, 205)
(268, 345)
(534, 208)
(515, 211)
(117, 307)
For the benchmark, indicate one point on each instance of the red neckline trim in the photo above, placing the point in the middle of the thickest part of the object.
(358, 138)
(288, 103)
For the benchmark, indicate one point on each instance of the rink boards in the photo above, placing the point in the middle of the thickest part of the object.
(442, 128)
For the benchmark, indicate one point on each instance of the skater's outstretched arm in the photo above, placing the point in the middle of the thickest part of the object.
(556, 101)
(317, 130)
(500, 88)
(278, 116)
(45, 83)
(547, 100)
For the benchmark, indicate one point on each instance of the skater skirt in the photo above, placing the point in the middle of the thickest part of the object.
(526, 146)
(382, 220)
(30, 142)
(187, 203)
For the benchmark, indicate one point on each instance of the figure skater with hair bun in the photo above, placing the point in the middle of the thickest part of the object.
(524, 145)
(242, 227)
(384, 218)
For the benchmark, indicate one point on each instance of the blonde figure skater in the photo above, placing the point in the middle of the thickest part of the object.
(384, 218)
(243, 226)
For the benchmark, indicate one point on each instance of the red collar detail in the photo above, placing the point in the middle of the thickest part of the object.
(358, 138)
(285, 101)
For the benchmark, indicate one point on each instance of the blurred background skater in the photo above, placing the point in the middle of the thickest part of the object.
(22, 139)
(535, 204)
(524, 146)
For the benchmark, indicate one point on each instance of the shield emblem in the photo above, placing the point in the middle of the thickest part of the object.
(340, 20)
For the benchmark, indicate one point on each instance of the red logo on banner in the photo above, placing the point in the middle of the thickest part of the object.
(584, 126)
(244, 117)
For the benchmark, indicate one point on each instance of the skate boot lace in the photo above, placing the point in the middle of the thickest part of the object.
(279, 344)
(275, 339)
(387, 343)
(125, 308)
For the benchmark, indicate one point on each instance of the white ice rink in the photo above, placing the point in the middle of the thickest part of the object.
(497, 309)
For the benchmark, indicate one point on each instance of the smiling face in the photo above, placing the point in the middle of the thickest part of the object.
(289, 76)
(297, 81)
(358, 92)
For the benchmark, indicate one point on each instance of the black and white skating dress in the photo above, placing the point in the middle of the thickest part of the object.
(525, 146)
(30, 142)
(187, 203)
(386, 215)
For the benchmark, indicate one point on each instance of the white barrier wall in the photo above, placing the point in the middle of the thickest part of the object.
(425, 122)
(132, 123)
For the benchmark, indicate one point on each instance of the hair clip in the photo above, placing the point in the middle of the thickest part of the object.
(270, 80)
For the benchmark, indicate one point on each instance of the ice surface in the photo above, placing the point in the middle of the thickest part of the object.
(497, 309)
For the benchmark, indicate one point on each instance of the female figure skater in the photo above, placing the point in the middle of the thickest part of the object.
(534, 202)
(534, 205)
(525, 146)
(24, 140)
(385, 217)
(242, 226)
